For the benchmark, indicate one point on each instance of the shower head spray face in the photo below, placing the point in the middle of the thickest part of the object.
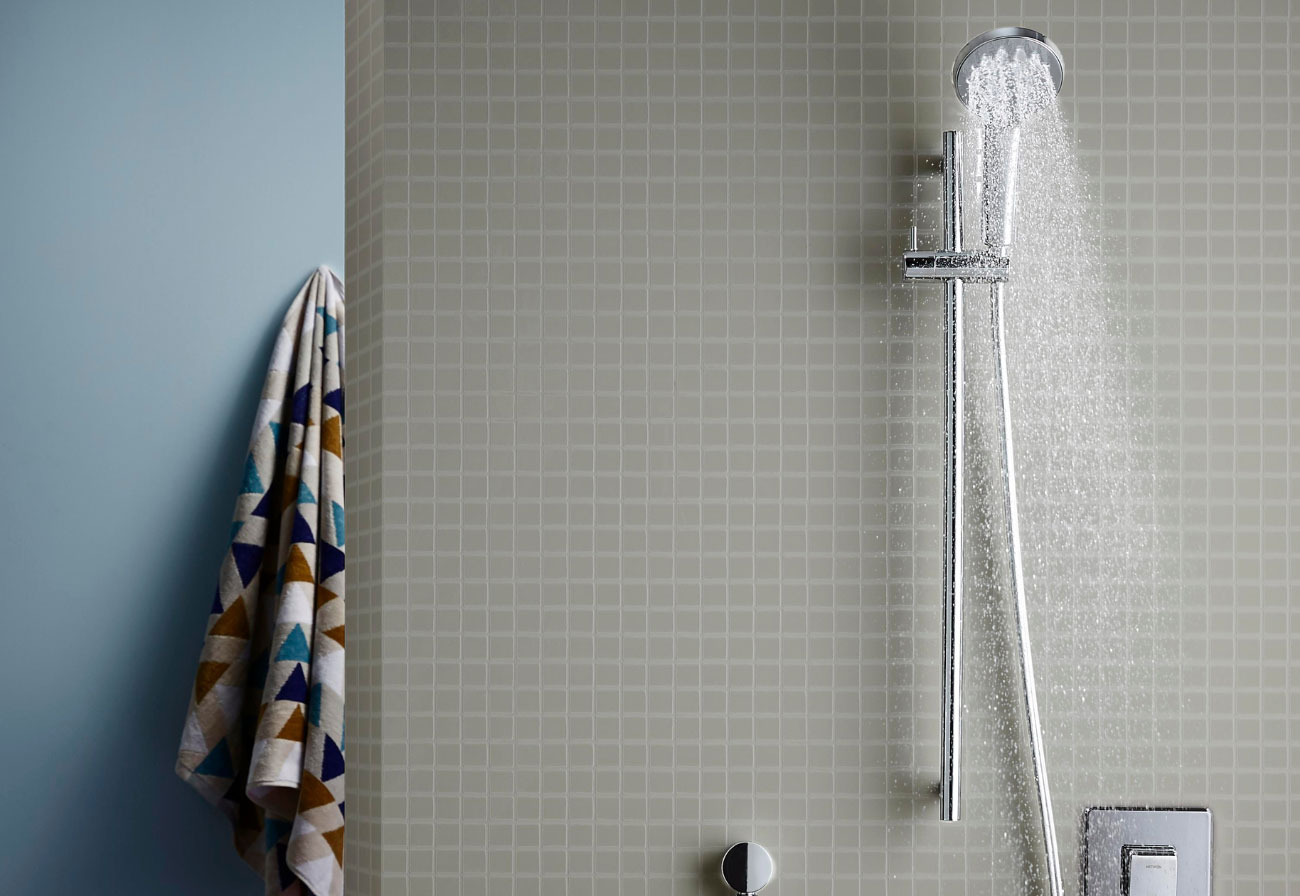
(1005, 77)
(1017, 97)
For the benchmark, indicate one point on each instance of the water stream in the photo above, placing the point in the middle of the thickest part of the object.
(1083, 437)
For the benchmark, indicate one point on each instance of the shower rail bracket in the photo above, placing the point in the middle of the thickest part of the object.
(942, 264)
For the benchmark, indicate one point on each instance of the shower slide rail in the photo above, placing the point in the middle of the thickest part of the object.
(955, 265)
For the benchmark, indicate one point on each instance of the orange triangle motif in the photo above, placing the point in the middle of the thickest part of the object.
(335, 839)
(233, 623)
(331, 436)
(324, 596)
(335, 634)
(209, 674)
(298, 569)
(289, 494)
(313, 793)
(294, 728)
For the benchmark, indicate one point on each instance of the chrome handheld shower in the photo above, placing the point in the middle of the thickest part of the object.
(1002, 98)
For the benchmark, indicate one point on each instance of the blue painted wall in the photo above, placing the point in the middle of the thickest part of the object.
(169, 175)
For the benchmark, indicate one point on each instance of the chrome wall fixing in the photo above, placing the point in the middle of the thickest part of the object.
(747, 867)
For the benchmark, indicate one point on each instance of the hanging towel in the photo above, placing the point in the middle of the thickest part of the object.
(264, 736)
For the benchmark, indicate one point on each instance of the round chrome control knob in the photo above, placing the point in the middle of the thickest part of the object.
(747, 867)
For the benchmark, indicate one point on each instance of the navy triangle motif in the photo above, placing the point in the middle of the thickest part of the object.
(332, 762)
(287, 877)
(216, 602)
(334, 400)
(332, 560)
(294, 687)
(248, 560)
(301, 401)
(263, 508)
(302, 533)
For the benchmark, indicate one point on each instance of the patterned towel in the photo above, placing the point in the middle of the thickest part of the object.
(264, 736)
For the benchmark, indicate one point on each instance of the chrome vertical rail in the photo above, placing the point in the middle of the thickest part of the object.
(1036, 748)
(954, 454)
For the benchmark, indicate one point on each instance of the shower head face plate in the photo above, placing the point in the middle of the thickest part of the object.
(1010, 40)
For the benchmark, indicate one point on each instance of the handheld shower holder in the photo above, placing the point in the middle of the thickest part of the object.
(942, 264)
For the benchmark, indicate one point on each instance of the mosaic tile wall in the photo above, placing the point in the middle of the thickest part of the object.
(365, 378)
(645, 446)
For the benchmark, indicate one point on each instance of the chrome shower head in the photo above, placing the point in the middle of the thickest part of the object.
(1002, 85)
(1010, 40)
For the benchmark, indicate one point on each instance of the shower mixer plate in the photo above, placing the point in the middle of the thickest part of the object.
(1107, 831)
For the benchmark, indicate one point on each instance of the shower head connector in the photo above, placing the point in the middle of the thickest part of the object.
(1009, 39)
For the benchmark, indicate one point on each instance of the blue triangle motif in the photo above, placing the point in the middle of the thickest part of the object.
(295, 688)
(217, 763)
(313, 706)
(332, 761)
(252, 481)
(339, 519)
(275, 430)
(234, 528)
(294, 649)
(275, 829)
(304, 494)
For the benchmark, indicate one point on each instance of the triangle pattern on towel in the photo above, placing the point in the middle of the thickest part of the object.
(252, 481)
(302, 533)
(218, 762)
(332, 766)
(294, 649)
(294, 728)
(295, 688)
(314, 794)
(233, 623)
(253, 742)
(248, 560)
(209, 674)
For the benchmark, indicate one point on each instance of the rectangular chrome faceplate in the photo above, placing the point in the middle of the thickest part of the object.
(1107, 831)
